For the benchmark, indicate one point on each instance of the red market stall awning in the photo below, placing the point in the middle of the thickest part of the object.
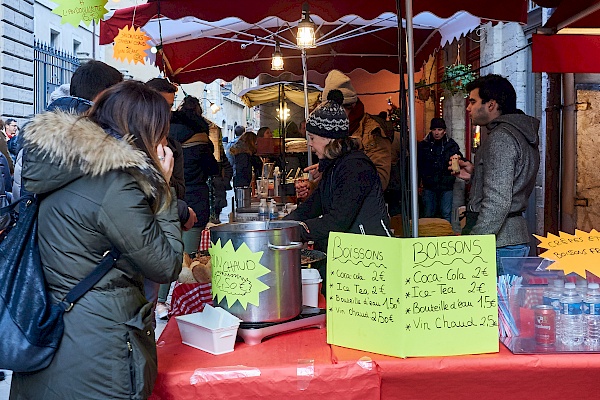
(573, 46)
(508, 10)
(203, 42)
(566, 53)
(575, 14)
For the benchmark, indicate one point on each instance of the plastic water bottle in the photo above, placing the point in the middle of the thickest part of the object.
(571, 316)
(263, 211)
(552, 296)
(273, 211)
(582, 287)
(591, 309)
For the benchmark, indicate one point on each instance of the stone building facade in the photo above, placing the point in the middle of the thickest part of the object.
(16, 59)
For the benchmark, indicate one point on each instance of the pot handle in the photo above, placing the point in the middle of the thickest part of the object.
(291, 246)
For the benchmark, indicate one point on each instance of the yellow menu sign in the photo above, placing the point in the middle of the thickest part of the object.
(235, 274)
(429, 296)
(573, 253)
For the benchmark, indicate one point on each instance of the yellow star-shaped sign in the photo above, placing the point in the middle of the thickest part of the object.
(131, 45)
(75, 11)
(573, 253)
(235, 274)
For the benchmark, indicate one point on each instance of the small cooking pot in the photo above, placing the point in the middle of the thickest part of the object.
(280, 243)
(243, 196)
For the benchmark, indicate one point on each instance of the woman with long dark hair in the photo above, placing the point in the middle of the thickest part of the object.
(103, 181)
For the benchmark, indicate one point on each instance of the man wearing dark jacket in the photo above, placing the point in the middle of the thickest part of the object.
(505, 166)
(89, 80)
(433, 155)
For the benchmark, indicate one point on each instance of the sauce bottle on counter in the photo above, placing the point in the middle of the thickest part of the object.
(276, 179)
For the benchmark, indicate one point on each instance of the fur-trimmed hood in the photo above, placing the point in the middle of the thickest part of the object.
(61, 147)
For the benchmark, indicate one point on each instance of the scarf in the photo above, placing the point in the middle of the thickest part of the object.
(356, 115)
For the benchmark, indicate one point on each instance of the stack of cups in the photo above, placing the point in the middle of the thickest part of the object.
(310, 287)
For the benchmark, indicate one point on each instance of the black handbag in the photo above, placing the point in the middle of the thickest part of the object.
(31, 327)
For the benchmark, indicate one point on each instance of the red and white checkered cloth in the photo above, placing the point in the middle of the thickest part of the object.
(188, 298)
(204, 240)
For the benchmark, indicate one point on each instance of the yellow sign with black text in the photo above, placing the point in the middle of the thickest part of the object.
(430, 296)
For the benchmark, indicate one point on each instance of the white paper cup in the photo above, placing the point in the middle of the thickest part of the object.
(310, 287)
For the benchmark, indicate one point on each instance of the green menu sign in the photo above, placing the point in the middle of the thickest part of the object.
(428, 296)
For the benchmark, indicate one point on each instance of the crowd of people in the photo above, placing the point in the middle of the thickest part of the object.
(115, 165)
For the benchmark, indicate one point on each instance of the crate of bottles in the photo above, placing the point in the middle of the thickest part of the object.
(544, 311)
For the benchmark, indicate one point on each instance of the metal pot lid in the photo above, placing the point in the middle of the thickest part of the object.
(311, 256)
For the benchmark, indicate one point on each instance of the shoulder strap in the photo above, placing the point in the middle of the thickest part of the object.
(11, 207)
(89, 281)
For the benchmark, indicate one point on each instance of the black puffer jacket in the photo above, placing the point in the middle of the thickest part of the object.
(244, 163)
(73, 105)
(348, 196)
(198, 161)
(433, 158)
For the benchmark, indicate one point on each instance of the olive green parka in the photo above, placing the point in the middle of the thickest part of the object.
(96, 192)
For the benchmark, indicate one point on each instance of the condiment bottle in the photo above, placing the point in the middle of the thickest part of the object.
(276, 178)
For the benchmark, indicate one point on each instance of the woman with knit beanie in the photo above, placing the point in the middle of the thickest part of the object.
(349, 196)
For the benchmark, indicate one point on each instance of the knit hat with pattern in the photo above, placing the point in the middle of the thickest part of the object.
(329, 120)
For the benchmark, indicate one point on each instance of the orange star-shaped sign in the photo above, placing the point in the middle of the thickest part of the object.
(131, 45)
(573, 253)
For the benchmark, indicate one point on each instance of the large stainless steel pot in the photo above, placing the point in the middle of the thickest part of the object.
(280, 243)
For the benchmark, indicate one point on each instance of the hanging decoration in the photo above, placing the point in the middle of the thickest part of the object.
(76, 11)
(423, 90)
(457, 76)
(131, 44)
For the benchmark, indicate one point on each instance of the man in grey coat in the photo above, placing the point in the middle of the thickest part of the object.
(505, 166)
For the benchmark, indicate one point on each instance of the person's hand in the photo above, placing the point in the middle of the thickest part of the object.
(313, 171)
(466, 169)
(191, 220)
(165, 157)
(303, 188)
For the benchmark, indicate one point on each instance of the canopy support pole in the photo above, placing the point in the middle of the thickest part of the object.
(410, 62)
(305, 80)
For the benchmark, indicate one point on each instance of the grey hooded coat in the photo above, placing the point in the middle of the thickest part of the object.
(96, 192)
(506, 166)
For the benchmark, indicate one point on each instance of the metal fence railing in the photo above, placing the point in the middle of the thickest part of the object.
(52, 68)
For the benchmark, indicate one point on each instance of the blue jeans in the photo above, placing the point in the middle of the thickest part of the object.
(191, 239)
(434, 199)
(516, 250)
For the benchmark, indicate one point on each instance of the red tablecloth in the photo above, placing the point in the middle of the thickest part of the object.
(301, 365)
(189, 298)
(291, 366)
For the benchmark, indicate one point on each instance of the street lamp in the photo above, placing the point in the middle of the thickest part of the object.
(214, 108)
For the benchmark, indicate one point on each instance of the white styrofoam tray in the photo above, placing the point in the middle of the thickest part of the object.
(213, 330)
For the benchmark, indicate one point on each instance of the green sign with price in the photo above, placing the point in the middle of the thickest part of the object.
(429, 296)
